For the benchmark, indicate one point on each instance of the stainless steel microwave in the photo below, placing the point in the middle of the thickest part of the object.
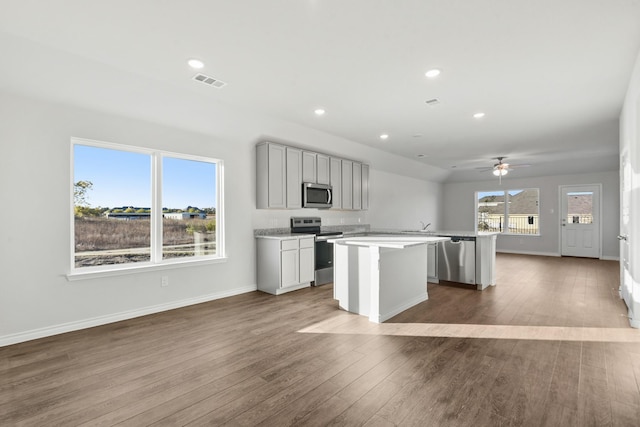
(316, 195)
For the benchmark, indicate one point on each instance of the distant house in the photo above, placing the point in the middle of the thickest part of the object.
(145, 213)
(523, 213)
(128, 215)
(580, 208)
(185, 215)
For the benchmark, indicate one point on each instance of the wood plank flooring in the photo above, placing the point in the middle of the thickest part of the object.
(548, 346)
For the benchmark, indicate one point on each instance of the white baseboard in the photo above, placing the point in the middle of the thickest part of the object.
(554, 254)
(399, 309)
(116, 317)
(509, 251)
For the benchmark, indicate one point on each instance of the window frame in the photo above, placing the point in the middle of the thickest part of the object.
(506, 230)
(156, 261)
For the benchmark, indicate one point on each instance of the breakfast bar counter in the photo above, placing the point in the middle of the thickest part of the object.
(381, 276)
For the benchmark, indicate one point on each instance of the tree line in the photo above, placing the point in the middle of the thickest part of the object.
(82, 208)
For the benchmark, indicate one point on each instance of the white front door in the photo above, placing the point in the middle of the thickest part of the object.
(580, 220)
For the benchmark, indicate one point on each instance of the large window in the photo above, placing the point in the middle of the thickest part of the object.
(509, 211)
(135, 206)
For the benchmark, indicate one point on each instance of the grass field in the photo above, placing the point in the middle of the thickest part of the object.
(100, 241)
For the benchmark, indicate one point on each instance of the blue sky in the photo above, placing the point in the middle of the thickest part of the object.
(122, 178)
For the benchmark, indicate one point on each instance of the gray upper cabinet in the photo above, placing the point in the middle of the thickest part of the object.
(335, 180)
(365, 187)
(347, 184)
(308, 166)
(271, 176)
(281, 170)
(294, 178)
(357, 186)
(323, 169)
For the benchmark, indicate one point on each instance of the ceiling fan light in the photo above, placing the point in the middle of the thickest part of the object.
(500, 172)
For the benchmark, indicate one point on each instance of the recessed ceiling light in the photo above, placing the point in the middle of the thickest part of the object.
(420, 155)
(384, 136)
(195, 64)
(478, 115)
(319, 111)
(432, 73)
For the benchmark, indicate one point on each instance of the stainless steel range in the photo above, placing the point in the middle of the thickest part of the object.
(324, 249)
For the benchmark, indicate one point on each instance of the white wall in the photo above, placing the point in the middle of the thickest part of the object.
(402, 202)
(459, 213)
(37, 300)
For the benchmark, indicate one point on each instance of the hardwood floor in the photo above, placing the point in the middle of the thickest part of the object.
(548, 346)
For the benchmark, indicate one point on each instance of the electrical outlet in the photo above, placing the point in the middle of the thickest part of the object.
(164, 281)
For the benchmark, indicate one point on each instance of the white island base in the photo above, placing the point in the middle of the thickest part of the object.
(380, 277)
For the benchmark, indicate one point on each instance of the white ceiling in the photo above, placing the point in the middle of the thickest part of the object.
(549, 74)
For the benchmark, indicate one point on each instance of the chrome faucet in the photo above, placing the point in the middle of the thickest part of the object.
(424, 227)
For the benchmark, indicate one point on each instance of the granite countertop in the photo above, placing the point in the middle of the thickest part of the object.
(284, 235)
(446, 233)
(364, 230)
(397, 241)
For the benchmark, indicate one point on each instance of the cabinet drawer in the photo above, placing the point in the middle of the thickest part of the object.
(307, 243)
(289, 244)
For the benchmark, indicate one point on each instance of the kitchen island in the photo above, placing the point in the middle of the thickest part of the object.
(478, 264)
(381, 276)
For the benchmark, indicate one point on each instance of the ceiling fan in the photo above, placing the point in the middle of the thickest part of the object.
(501, 168)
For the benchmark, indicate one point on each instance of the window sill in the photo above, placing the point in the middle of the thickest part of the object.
(124, 270)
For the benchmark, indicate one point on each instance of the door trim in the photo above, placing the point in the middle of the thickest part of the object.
(561, 188)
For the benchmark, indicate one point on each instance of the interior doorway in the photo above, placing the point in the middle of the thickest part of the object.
(580, 220)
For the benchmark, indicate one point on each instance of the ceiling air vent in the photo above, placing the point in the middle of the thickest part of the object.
(432, 102)
(209, 80)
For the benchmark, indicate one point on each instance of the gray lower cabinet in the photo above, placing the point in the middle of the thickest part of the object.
(432, 263)
(285, 263)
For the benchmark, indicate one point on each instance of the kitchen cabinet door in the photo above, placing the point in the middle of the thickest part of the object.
(285, 264)
(357, 186)
(365, 187)
(271, 175)
(322, 169)
(335, 180)
(307, 268)
(432, 263)
(294, 178)
(289, 267)
(308, 167)
(347, 184)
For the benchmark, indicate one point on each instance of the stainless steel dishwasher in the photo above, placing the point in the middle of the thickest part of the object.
(457, 260)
